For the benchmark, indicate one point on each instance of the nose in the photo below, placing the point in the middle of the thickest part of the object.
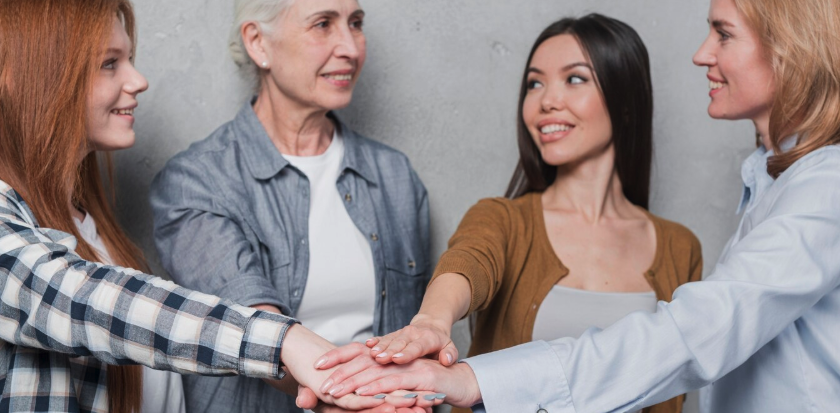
(136, 82)
(552, 99)
(350, 45)
(705, 55)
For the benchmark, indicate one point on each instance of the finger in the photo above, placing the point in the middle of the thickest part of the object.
(340, 355)
(413, 351)
(449, 355)
(383, 384)
(372, 341)
(395, 347)
(383, 343)
(333, 384)
(306, 398)
(354, 402)
(324, 408)
(346, 371)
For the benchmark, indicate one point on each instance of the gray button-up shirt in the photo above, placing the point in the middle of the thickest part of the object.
(231, 219)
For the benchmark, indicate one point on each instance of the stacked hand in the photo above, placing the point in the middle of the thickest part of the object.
(300, 365)
(394, 364)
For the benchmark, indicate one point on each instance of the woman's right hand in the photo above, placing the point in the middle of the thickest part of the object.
(425, 336)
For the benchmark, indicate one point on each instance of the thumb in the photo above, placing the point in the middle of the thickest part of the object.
(306, 398)
(449, 355)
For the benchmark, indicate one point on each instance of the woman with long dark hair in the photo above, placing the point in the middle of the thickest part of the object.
(760, 333)
(572, 246)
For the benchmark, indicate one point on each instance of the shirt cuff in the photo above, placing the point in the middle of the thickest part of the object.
(259, 353)
(251, 290)
(525, 378)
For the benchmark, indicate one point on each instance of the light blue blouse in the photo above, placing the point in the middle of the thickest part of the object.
(761, 333)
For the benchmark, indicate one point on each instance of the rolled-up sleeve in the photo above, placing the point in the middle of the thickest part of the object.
(780, 268)
(199, 242)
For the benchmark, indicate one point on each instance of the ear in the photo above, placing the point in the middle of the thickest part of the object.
(254, 40)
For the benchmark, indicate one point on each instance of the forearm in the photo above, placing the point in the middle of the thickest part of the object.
(447, 300)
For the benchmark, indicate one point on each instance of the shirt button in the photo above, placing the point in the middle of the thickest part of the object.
(296, 293)
(383, 293)
(412, 264)
(303, 242)
(374, 237)
(348, 197)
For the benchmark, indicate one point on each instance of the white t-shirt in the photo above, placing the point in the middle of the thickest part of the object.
(163, 391)
(339, 297)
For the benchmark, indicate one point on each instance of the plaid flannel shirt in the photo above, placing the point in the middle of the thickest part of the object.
(64, 319)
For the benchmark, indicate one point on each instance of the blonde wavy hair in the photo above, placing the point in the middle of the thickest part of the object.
(802, 40)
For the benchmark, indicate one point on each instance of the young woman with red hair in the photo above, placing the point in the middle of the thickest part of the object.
(73, 331)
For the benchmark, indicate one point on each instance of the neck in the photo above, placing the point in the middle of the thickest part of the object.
(762, 127)
(590, 188)
(294, 129)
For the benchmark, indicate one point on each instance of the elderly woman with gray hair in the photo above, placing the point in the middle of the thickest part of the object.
(285, 208)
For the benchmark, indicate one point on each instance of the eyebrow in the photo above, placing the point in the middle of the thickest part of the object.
(334, 14)
(564, 68)
(720, 23)
(114, 50)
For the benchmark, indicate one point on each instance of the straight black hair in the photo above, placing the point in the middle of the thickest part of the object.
(622, 68)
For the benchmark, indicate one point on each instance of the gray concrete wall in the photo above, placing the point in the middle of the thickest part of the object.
(441, 85)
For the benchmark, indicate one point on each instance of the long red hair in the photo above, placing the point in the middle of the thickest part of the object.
(50, 51)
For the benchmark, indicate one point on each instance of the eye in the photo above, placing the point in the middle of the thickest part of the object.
(323, 24)
(357, 24)
(534, 84)
(724, 36)
(576, 80)
(109, 64)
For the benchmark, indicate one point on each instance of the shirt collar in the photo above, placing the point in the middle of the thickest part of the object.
(754, 173)
(265, 161)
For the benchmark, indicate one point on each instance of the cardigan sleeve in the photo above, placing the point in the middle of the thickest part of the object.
(478, 250)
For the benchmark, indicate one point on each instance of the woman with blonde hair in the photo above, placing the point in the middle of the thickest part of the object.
(73, 331)
(760, 333)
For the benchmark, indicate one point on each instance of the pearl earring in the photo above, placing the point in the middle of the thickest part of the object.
(264, 64)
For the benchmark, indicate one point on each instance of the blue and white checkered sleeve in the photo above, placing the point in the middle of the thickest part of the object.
(52, 299)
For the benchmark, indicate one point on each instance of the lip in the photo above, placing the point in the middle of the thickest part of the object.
(129, 118)
(714, 92)
(555, 136)
(340, 83)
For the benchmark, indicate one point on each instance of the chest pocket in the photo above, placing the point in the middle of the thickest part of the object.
(405, 257)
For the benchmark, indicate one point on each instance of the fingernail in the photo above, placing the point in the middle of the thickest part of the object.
(379, 396)
(375, 349)
(320, 362)
(410, 396)
(440, 396)
(380, 355)
(368, 340)
(449, 358)
(398, 355)
(362, 390)
(336, 389)
(430, 397)
(327, 384)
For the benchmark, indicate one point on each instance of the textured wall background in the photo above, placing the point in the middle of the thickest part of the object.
(441, 84)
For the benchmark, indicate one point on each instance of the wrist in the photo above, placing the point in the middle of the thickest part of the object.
(435, 321)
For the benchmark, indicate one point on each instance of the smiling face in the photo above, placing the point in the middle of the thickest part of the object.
(316, 52)
(739, 71)
(111, 104)
(564, 108)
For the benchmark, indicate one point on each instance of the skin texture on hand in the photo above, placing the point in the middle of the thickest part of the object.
(307, 400)
(301, 348)
(458, 382)
(425, 335)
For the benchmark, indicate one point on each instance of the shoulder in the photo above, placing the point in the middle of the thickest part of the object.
(678, 236)
(201, 159)
(519, 210)
(811, 184)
